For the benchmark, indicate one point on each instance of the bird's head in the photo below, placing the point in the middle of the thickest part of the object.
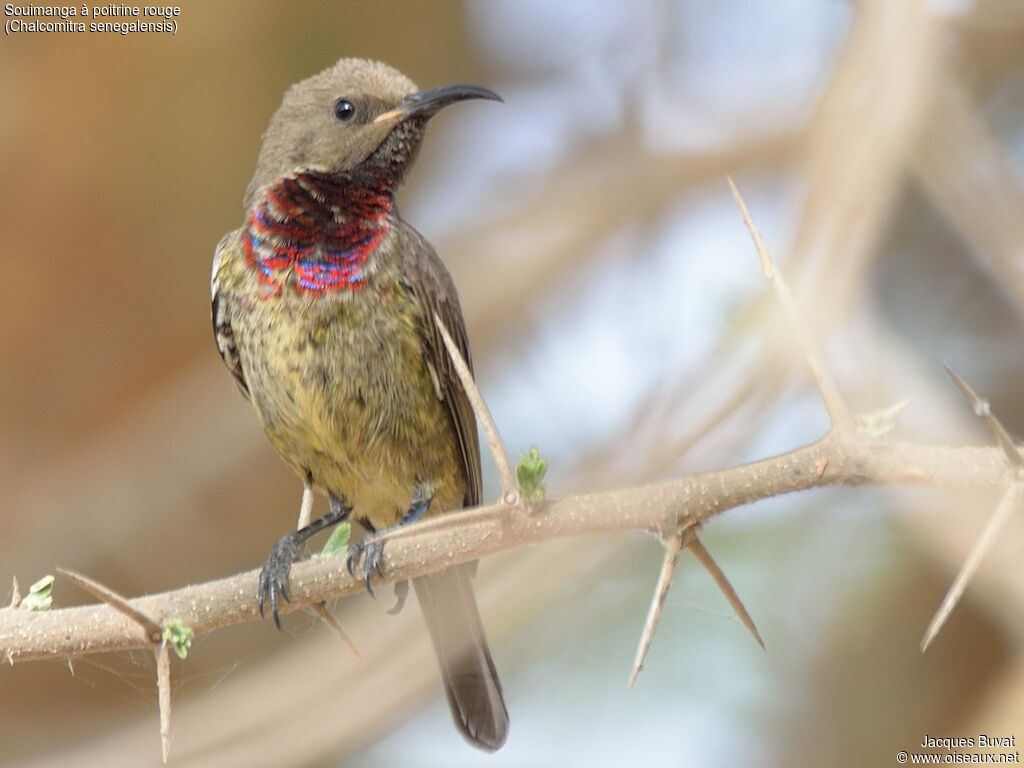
(356, 117)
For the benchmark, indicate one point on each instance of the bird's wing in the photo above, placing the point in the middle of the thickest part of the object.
(427, 277)
(222, 331)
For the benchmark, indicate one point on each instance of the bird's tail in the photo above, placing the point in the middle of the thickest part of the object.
(467, 669)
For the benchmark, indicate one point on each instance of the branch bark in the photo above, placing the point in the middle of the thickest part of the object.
(843, 457)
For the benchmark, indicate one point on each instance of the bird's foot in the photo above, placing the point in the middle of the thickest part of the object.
(367, 556)
(274, 576)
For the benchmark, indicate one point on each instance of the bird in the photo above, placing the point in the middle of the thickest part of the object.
(323, 305)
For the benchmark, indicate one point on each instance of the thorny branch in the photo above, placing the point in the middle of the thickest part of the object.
(154, 633)
(463, 536)
(838, 416)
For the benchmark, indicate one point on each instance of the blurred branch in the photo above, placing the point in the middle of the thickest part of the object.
(562, 238)
(866, 124)
(968, 174)
(850, 188)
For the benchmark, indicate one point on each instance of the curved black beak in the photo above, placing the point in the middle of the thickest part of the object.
(428, 103)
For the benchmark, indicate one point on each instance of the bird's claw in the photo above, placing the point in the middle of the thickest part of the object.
(274, 576)
(368, 556)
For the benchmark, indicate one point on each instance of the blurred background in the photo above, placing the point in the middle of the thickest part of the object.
(619, 321)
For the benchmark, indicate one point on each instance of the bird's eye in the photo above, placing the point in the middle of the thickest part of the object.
(344, 110)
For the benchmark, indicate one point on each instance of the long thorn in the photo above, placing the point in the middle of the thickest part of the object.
(837, 411)
(701, 553)
(983, 410)
(1012, 501)
(320, 609)
(163, 685)
(306, 507)
(673, 549)
(121, 604)
(483, 414)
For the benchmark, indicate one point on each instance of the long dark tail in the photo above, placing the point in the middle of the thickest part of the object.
(470, 679)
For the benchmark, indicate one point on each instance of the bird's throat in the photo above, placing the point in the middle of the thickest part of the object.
(316, 232)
